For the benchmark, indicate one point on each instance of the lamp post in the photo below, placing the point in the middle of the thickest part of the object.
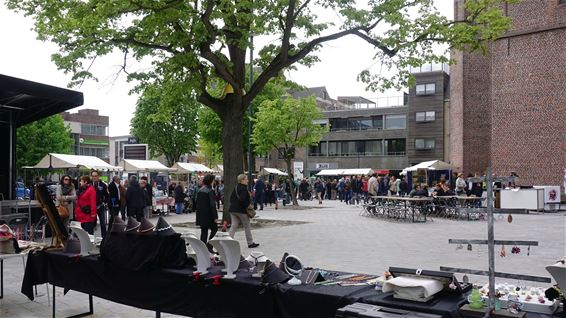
(251, 113)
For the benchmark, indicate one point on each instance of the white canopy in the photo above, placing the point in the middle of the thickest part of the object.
(273, 171)
(143, 165)
(345, 172)
(430, 165)
(191, 167)
(61, 161)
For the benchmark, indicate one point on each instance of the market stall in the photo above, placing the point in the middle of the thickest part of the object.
(427, 172)
(272, 171)
(191, 167)
(131, 165)
(345, 172)
(63, 161)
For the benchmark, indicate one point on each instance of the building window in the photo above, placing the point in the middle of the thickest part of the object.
(426, 89)
(425, 116)
(377, 122)
(348, 148)
(361, 123)
(93, 130)
(395, 122)
(95, 152)
(395, 147)
(425, 143)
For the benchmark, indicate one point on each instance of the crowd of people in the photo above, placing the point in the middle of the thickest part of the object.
(90, 200)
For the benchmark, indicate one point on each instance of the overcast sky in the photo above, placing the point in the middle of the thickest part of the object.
(25, 57)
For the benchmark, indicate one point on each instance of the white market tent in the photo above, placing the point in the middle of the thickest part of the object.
(345, 172)
(430, 165)
(274, 171)
(144, 165)
(61, 161)
(191, 167)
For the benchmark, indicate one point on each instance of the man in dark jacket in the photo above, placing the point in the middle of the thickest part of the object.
(101, 200)
(114, 199)
(179, 195)
(135, 200)
(259, 188)
(148, 196)
(207, 215)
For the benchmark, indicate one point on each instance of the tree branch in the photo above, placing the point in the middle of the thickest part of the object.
(377, 44)
(205, 47)
(132, 41)
(289, 22)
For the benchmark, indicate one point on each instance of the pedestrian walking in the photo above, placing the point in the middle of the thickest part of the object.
(207, 214)
(135, 200)
(115, 193)
(101, 190)
(148, 196)
(179, 196)
(239, 202)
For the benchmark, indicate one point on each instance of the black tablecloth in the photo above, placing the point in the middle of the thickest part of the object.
(174, 290)
(445, 304)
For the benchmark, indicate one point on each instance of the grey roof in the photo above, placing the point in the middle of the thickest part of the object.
(320, 92)
(354, 100)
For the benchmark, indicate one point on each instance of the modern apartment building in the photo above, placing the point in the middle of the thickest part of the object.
(508, 108)
(89, 130)
(383, 134)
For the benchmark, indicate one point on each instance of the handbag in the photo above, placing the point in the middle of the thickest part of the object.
(250, 209)
(63, 211)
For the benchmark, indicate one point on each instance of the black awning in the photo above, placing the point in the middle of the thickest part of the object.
(30, 101)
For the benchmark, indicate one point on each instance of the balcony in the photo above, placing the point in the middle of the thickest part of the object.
(359, 154)
(433, 67)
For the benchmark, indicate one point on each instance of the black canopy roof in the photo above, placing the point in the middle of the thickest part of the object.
(30, 101)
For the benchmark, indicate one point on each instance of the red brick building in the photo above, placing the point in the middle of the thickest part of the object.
(508, 108)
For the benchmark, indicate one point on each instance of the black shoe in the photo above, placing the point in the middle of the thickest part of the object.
(253, 245)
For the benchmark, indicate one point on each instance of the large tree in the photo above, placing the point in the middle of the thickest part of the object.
(194, 40)
(210, 124)
(37, 139)
(287, 124)
(166, 119)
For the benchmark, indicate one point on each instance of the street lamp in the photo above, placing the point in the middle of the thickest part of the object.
(251, 113)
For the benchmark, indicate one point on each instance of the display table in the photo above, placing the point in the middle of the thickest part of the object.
(174, 290)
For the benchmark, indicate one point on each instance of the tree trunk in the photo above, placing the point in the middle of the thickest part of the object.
(232, 120)
(292, 182)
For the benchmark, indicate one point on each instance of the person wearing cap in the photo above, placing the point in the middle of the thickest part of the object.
(239, 201)
(207, 215)
(85, 209)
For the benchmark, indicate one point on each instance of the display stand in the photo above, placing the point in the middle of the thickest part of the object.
(490, 179)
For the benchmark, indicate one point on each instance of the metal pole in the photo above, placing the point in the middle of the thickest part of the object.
(251, 113)
(490, 242)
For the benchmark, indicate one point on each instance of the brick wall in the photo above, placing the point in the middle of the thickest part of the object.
(517, 95)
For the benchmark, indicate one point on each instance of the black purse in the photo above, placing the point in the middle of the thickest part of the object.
(85, 209)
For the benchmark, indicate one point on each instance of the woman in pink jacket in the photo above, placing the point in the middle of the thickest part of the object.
(85, 209)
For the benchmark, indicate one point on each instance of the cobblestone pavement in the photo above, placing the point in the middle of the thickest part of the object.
(336, 237)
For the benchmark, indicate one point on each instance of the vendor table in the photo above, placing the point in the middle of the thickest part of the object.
(399, 208)
(458, 207)
(175, 291)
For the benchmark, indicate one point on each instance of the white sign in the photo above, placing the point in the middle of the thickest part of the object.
(322, 166)
(298, 169)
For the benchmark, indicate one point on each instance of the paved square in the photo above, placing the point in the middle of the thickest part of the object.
(335, 237)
